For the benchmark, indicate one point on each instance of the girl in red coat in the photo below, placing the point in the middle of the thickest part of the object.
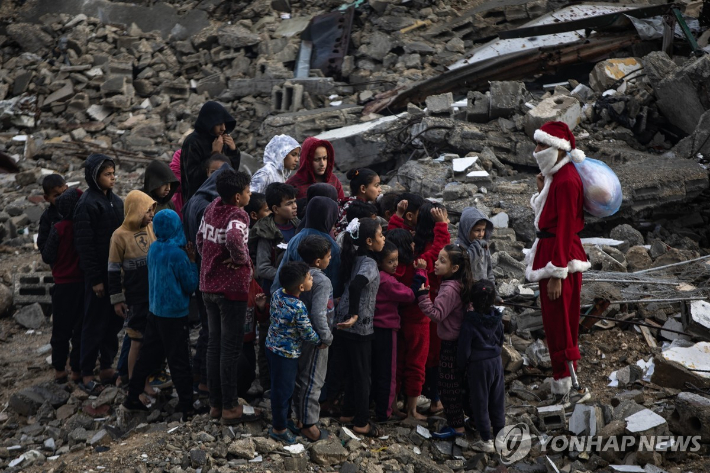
(432, 235)
(317, 164)
(557, 258)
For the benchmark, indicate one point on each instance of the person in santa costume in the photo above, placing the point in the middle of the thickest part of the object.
(557, 258)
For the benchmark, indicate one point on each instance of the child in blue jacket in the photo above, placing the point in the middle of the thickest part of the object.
(171, 269)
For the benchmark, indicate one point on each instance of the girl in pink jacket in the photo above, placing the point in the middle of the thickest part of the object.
(453, 267)
(390, 294)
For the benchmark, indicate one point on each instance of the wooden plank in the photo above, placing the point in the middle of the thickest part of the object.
(649, 338)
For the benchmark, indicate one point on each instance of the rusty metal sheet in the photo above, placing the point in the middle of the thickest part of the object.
(514, 66)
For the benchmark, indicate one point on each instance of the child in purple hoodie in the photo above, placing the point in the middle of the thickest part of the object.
(447, 309)
(390, 294)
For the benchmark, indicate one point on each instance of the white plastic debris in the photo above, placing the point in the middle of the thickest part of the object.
(295, 448)
(461, 164)
(350, 434)
(424, 432)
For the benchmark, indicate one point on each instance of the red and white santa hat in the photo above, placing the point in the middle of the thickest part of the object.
(558, 135)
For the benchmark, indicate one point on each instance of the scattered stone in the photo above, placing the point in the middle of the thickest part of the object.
(243, 448)
(30, 316)
(328, 452)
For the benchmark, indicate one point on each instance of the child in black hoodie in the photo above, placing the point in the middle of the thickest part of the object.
(161, 184)
(211, 136)
(98, 214)
(480, 342)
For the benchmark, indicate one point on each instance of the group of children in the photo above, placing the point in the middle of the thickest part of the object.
(363, 299)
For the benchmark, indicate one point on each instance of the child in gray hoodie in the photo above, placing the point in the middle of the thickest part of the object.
(474, 234)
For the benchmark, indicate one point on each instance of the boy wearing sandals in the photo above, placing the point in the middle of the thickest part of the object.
(289, 328)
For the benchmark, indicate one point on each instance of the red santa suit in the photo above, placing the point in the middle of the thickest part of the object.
(558, 251)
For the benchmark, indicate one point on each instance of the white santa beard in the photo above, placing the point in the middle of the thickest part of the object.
(546, 159)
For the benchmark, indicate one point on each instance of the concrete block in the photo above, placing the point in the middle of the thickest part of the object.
(512, 360)
(558, 108)
(177, 89)
(606, 73)
(456, 191)
(551, 417)
(691, 416)
(506, 97)
(440, 104)
(288, 98)
(479, 106)
(213, 85)
(236, 36)
(424, 177)
(586, 420)
(583, 93)
(33, 287)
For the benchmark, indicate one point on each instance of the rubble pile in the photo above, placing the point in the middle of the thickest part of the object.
(129, 84)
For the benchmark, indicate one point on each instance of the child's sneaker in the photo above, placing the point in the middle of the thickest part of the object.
(485, 446)
(286, 437)
(160, 380)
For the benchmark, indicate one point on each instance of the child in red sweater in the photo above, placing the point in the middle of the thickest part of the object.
(425, 238)
(390, 295)
(68, 294)
(225, 277)
(413, 346)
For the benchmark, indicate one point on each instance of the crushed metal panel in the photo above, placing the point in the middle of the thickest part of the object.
(501, 47)
(330, 35)
(514, 66)
(619, 20)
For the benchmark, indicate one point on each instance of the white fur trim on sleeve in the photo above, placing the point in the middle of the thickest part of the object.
(546, 138)
(577, 155)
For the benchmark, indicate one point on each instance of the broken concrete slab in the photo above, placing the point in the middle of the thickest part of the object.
(556, 108)
(29, 36)
(675, 366)
(424, 176)
(158, 16)
(59, 95)
(361, 144)
(610, 73)
(683, 96)
(643, 422)
(506, 98)
(305, 123)
(691, 416)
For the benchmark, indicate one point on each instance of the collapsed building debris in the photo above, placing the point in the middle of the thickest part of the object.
(114, 80)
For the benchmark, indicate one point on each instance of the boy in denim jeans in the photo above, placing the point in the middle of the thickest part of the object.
(225, 276)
